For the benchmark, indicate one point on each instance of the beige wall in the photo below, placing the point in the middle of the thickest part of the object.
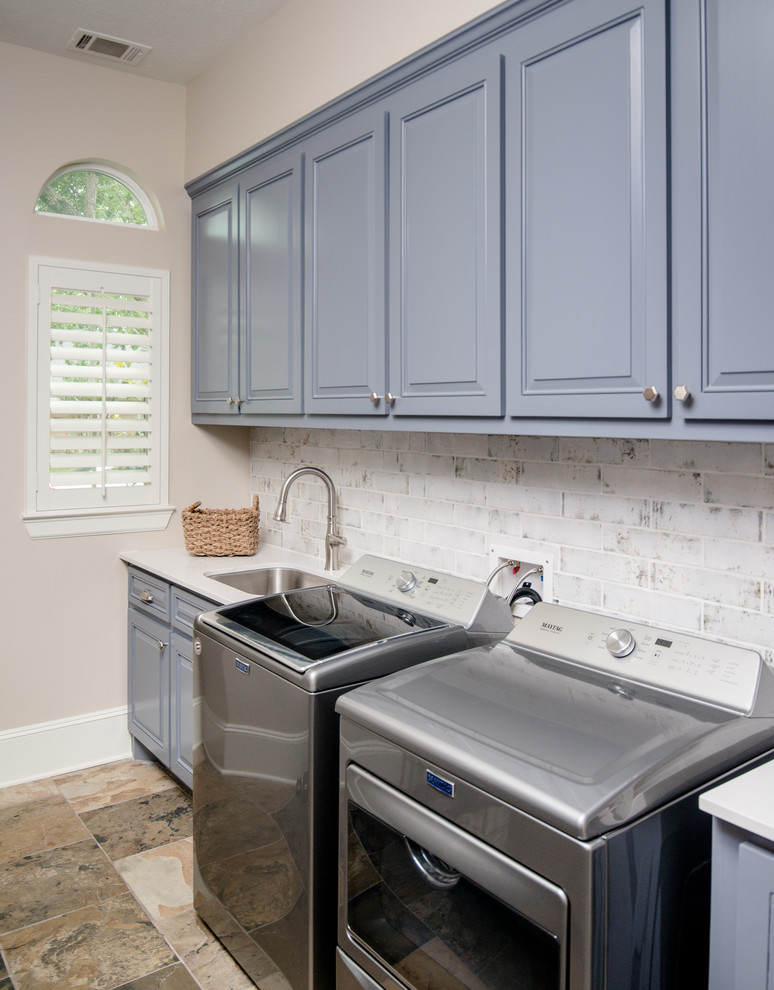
(308, 53)
(63, 649)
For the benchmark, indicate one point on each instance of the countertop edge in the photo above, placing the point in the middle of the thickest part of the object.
(176, 565)
(746, 801)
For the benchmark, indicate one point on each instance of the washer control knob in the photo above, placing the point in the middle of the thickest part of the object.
(620, 643)
(406, 581)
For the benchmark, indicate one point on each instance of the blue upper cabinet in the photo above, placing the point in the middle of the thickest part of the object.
(247, 284)
(586, 208)
(723, 208)
(445, 331)
(345, 331)
(271, 286)
(215, 303)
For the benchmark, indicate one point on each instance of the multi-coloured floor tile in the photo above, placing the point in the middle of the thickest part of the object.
(141, 823)
(100, 947)
(161, 879)
(112, 784)
(53, 882)
(31, 828)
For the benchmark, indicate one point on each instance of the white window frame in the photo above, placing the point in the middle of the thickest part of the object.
(50, 515)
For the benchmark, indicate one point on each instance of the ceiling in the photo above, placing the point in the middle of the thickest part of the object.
(184, 35)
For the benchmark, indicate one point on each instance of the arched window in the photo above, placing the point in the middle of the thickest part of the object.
(98, 192)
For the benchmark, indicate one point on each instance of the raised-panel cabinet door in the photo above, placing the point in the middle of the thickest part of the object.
(215, 304)
(723, 208)
(270, 363)
(149, 649)
(445, 316)
(181, 709)
(345, 350)
(586, 243)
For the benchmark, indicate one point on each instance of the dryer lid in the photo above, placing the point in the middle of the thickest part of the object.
(582, 751)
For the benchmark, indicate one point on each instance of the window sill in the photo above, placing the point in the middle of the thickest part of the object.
(97, 522)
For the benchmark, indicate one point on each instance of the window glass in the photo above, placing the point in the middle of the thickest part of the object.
(96, 193)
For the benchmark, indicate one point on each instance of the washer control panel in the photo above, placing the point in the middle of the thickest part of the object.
(717, 673)
(434, 593)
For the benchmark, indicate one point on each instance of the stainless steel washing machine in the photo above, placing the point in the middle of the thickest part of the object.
(526, 815)
(266, 772)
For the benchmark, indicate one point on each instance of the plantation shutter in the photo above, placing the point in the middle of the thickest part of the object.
(98, 444)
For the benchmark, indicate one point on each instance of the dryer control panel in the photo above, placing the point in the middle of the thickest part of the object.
(677, 662)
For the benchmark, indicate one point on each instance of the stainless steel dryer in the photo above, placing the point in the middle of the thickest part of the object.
(266, 772)
(526, 815)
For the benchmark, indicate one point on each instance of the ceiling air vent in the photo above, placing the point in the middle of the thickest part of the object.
(128, 52)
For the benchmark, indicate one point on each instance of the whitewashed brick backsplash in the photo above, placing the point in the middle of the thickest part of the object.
(680, 533)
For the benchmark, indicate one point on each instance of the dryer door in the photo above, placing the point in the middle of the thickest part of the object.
(429, 905)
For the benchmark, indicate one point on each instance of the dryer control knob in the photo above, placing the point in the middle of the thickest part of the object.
(620, 643)
(406, 581)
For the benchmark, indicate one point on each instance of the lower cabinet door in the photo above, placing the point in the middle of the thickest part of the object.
(181, 709)
(754, 924)
(149, 650)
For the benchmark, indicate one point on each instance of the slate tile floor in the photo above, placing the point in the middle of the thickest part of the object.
(96, 886)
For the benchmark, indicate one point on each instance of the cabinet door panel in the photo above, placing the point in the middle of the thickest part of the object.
(755, 918)
(271, 332)
(149, 683)
(181, 705)
(215, 351)
(345, 233)
(445, 307)
(586, 199)
(724, 207)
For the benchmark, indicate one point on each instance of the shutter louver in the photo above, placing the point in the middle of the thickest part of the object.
(101, 369)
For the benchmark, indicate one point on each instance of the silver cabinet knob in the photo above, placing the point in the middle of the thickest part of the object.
(650, 392)
(620, 643)
(237, 402)
(146, 596)
(160, 644)
(229, 401)
(682, 393)
(389, 398)
(375, 398)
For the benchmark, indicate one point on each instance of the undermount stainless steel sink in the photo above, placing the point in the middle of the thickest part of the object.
(261, 581)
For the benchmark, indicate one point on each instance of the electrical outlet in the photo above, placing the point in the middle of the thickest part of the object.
(527, 559)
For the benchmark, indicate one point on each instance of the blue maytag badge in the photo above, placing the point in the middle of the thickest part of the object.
(241, 665)
(444, 786)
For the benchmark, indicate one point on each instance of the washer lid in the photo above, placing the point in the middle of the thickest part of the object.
(578, 749)
(309, 625)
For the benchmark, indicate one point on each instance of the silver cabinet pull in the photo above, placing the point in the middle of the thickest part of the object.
(375, 398)
(682, 393)
(146, 596)
(160, 644)
(389, 398)
(650, 392)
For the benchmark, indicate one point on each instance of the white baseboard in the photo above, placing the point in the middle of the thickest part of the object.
(52, 748)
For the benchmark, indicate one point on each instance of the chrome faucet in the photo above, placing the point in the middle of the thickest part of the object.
(332, 540)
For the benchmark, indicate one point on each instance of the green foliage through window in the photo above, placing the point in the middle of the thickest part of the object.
(94, 195)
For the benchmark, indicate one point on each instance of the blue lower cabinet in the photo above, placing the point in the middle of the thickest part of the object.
(162, 689)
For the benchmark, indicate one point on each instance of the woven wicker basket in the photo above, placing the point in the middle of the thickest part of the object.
(221, 532)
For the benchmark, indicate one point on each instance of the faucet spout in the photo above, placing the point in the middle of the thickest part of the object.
(332, 540)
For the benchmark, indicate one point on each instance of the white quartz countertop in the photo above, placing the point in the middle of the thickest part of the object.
(177, 566)
(746, 801)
